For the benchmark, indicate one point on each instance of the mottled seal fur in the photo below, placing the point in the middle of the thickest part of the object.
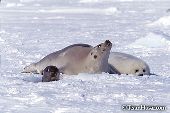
(50, 73)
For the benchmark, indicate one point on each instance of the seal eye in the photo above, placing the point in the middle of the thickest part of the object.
(95, 56)
(99, 45)
(92, 53)
(136, 70)
(144, 70)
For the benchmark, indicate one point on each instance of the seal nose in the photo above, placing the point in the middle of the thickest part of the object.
(53, 79)
(52, 74)
(108, 43)
(140, 75)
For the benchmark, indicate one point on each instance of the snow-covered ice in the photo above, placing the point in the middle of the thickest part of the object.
(31, 29)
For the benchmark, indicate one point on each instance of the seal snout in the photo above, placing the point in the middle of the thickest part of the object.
(140, 75)
(53, 74)
(108, 43)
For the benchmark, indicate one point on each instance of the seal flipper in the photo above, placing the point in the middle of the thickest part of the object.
(153, 74)
(30, 69)
(67, 69)
(113, 70)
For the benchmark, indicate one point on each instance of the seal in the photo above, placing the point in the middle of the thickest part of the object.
(50, 73)
(128, 64)
(75, 59)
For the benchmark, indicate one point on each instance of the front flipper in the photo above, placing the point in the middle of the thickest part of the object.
(30, 69)
(113, 70)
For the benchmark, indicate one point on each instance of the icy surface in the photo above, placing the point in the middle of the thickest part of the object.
(31, 29)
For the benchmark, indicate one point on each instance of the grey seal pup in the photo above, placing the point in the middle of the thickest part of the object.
(50, 73)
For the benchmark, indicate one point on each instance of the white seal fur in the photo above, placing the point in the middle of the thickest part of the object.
(128, 64)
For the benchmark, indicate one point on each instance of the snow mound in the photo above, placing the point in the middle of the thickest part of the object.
(152, 40)
(162, 22)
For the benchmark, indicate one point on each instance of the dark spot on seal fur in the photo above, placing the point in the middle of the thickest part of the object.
(137, 70)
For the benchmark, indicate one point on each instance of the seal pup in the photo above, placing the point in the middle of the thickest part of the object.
(50, 73)
(77, 58)
(128, 64)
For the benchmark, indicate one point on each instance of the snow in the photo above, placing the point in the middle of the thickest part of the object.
(1, 39)
(107, 11)
(8, 5)
(100, 1)
(31, 29)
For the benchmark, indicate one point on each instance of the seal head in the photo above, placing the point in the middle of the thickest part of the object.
(50, 73)
(97, 60)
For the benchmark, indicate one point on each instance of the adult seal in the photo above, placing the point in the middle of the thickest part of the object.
(128, 64)
(50, 73)
(77, 58)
